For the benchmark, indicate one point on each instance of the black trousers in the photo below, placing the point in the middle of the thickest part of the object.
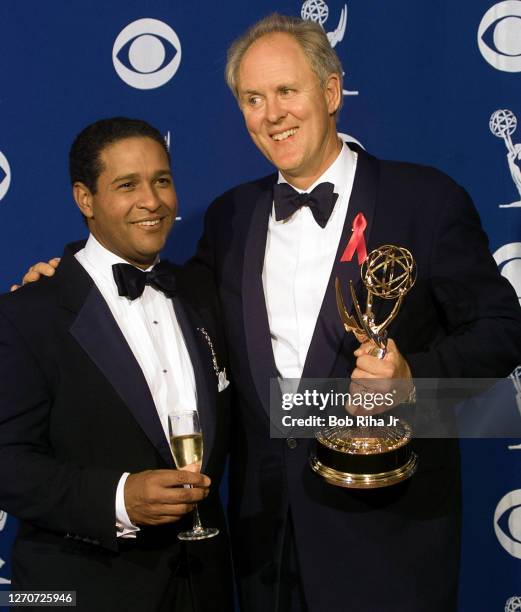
(291, 592)
(136, 579)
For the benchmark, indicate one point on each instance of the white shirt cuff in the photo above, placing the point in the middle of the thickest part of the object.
(125, 529)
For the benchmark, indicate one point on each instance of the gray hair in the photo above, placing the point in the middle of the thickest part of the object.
(308, 34)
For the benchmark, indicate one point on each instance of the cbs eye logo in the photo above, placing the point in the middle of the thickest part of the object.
(5, 175)
(151, 50)
(499, 36)
(507, 523)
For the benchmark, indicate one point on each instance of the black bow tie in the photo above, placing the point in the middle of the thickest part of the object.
(131, 281)
(321, 201)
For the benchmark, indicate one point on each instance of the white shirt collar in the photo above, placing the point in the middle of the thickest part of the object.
(336, 173)
(102, 260)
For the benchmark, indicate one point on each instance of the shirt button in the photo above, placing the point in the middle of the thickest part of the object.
(291, 443)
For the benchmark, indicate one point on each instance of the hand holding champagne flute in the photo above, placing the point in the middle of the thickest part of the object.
(186, 444)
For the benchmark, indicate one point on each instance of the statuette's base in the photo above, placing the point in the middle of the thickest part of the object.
(365, 457)
(365, 481)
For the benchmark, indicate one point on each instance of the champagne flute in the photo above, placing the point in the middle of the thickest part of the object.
(186, 444)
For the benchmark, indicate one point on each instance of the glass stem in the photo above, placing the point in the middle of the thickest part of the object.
(197, 521)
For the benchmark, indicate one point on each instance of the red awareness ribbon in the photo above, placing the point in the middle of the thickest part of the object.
(357, 241)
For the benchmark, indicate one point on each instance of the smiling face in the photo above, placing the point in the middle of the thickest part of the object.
(288, 113)
(135, 203)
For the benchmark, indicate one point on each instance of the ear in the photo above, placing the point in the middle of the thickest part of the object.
(333, 93)
(83, 197)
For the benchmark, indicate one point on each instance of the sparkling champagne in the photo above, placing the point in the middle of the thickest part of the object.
(187, 451)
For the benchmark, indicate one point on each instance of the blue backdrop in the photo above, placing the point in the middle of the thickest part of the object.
(422, 79)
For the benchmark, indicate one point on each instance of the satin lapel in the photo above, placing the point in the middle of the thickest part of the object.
(205, 377)
(255, 315)
(329, 337)
(96, 330)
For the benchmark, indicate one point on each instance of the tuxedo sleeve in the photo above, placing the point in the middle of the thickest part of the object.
(73, 500)
(477, 308)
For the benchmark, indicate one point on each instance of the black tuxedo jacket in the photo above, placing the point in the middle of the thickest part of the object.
(394, 549)
(75, 413)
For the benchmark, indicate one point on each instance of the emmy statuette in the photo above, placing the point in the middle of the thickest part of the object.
(369, 457)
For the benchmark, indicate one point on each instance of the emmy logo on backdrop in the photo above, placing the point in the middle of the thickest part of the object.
(515, 377)
(503, 124)
(318, 11)
(369, 457)
(513, 604)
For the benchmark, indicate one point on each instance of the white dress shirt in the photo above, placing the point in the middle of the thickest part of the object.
(154, 336)
(298, 261)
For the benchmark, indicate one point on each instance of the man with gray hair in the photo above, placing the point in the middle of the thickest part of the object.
(275, 246)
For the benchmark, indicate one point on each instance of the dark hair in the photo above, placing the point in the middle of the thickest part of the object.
(85, 163)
